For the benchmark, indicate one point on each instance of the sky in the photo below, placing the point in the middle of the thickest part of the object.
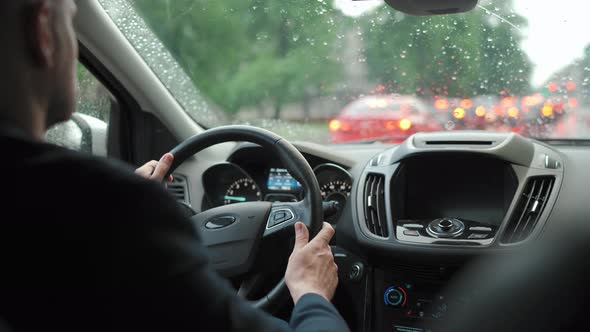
(557, 31)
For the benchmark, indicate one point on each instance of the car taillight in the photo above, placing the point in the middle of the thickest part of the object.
(547, 110)
(513, 112)
(480, 111)
(405, 124)
(459, 113)
(334, 125)
(441, 104)
(337, 125)
(466, 103)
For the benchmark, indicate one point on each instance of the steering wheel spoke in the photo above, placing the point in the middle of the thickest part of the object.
(232, 234)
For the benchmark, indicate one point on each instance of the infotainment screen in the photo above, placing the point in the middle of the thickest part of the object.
(477, 189)
(279, 179)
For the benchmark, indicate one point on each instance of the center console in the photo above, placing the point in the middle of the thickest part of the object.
(462, 201)
(443, 198)
(408, 304)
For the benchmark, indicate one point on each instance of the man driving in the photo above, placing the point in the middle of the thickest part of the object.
(85, 244)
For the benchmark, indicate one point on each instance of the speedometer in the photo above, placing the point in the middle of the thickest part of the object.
(242, 190)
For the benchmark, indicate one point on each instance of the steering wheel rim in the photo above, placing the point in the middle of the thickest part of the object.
(293, 160)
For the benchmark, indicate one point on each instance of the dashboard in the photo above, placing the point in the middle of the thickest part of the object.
(250, 174)
(414, 215)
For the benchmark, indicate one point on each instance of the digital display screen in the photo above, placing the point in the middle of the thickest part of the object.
(478, 190)
(280, 179)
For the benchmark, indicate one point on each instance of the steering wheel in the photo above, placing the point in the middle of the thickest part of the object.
(233, 233)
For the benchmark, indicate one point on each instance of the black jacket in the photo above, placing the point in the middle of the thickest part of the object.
(85, 244)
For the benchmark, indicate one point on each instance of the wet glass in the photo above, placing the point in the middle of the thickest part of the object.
(338, 71)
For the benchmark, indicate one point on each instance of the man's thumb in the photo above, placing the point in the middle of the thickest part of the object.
(301, 235)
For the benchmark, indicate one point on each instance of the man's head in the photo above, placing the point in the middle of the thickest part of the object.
(37, 62)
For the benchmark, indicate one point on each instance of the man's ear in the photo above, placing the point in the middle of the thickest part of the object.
(39, 33)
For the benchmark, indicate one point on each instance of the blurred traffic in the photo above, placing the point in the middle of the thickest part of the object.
(551, 112)
(374, 117)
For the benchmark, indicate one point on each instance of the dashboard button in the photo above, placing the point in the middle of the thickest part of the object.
(394, 296)
(356, 272)
(477, 236)
(480, 229)
(413, 226)
(445, 224)
(411, 232)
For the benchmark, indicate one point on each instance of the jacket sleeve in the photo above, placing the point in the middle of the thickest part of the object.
(314, 313)
(167, 283)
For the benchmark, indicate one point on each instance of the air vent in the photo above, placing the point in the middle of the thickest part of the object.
(374, 205)
(529, 208)
(178, 188)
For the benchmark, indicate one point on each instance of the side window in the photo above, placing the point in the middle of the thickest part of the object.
(87, 129)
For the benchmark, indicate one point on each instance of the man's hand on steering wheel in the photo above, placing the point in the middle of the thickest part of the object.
(156, 170)
(311, 267)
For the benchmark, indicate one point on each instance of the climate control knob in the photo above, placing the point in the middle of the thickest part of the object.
(395, 296)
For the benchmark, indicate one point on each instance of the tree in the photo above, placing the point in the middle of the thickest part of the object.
(243, 53)
(460, 55)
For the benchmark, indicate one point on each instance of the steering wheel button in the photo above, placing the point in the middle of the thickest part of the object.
(280, 215)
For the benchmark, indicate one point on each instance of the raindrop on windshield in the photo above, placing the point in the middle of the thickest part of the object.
(450, 125)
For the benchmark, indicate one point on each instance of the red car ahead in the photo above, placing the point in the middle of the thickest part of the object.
(377, 117)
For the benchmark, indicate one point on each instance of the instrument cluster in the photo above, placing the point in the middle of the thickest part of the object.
(229, 183)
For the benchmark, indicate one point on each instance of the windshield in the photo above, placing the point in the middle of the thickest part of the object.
(338, 71)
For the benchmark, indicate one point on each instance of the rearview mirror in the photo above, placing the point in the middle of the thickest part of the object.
(432, 7)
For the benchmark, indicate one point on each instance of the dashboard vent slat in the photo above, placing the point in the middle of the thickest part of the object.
(178, 188)
(374, 205)
(529, 208)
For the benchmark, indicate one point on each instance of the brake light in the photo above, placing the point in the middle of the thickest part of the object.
(570, 85)
(508, 101)
(547, 110)
(513, 112)
(572, 102)
(441, 104)
(405, 124)
(480, 111)
(334, 125)
(390, 125)
(459, 113)
(466, 103)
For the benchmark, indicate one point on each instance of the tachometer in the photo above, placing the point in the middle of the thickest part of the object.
(242, 190)
(335, 185)
(336, 190)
